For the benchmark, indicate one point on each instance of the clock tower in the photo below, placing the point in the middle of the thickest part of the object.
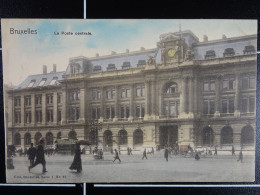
(173, 49)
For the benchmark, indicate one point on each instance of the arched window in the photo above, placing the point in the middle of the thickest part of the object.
(27, 139)
(37, 138)
(17, 139)
(72, 135)
(122, 137)
(171, 88)
(138, 137)
(247, 135)
(92, 137)
(207, 136)
(227, 135)
(59, 135)
(108, 139)
(49, 138)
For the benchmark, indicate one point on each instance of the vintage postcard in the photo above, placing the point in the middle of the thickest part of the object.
(128, 101)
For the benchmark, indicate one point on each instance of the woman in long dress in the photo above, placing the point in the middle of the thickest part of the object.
(77, 164)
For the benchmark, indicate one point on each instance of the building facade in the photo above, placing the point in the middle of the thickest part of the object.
(182, 91)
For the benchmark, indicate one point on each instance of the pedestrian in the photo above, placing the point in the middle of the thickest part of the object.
(144, 154)
(77, 164)
(117, 156)
(197, 157)
(216, 151)
(101, 154)
(31, 154)
(166, 153)
(40, 159)
(240, 156)
(130, 151)
(233, 150)
(152, 151)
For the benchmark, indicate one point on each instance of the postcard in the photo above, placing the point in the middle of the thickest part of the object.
(129, 101)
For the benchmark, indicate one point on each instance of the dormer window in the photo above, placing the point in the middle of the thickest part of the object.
(250, 49)
(229, 52)
(126, 65)
(171, 88)
(111, 67)
(141, 63)
(31, 83)
(42, 82)
(97, 69)
(75, 68)
(210, 54)
(53, 82)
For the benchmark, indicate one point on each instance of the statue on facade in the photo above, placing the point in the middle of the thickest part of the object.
(189, 55)
(151, 60)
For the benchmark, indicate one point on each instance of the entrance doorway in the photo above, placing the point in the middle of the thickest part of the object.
(168, 135)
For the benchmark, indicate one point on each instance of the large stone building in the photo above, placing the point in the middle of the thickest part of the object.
(182, 91)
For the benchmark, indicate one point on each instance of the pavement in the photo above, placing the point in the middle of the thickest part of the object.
(132, 169)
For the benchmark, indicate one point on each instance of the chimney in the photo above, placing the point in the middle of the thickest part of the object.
(205, 38)
(142, 48)
(54, 68)
(113, 53)
(224, 36)
(44, 67)
(97, 54)
(127, 50)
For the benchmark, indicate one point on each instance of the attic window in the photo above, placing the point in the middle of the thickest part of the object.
(141, 63)
(97, 69)
(249, 49)
(126, 65)
(53, 82)
(31, 83)
(111, 67)
(75, 68)
(42, 82)
(229, 52)
(210, 54)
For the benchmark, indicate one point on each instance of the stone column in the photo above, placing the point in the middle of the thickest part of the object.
(33, 108)
(236, 101)
(10, 111)
(195, 99)
(147, 99)
(82, 106)
(191, 99)
(153, 99)
(102, 97)
(43, 108)
(217, 99)
(64, 106)
(22, 110)
(184, 96)
(116, 103)
(55, 107)
(131, 108)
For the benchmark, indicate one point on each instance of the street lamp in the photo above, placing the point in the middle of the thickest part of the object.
(95, 126)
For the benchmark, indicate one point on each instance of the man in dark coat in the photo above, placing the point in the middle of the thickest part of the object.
(144, 154)
(40, 159)
(197, 157)
(240, 156)
(233, 151)
(166, 153)
(77, 164)
(31, 154)
(216, 151)
(130, 151)
(116, 156)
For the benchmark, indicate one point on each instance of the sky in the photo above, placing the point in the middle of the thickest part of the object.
(25, 54)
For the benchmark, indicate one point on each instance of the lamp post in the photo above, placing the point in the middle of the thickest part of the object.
(95, 126)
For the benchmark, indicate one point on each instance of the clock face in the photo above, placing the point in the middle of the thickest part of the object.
(171, 52)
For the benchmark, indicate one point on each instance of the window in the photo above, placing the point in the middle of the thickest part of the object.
(17, 101)
(17, 117)
(250, 49)
(97, 69)
(59, 98)
(209, 85)
(31, 83)
(111, 67)
(227, 106)
(229, 52)
(49, 98)
(140, 90)
(124, 111)
(171, 88)
(96, 95)
(38, 116)
(74, 113)
(125, 92)
(171, 108)
(74, 95)
(75, 68)
(248, 104)
(96, 113)
(228, 82)
(53, 81)
(38, 100)
(42, 82)
(248, 82)
(27, 100)
(49, 116)
(27, 117)
(110, 112)
(139, 111)
(110, 93)
(126, 65)
(210, 54)
(59, 115)
(208, 106)
(141, 63)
